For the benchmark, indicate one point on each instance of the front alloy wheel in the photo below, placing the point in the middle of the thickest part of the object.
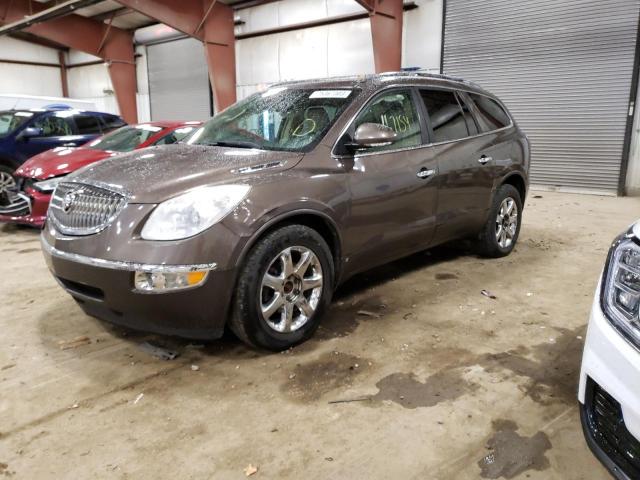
(7, 182)
(284, 286)
(291, 289)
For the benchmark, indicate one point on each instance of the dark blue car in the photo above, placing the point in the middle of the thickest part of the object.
(25, 133)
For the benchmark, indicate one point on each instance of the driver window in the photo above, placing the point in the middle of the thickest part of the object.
(397, 111)
(53, 126)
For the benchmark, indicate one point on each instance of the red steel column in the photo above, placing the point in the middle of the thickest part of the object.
(211, 22)
(386, 33)
(219, 43)
(112, 44)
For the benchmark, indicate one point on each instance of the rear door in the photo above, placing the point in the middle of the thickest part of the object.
(393, 189)
(56, 130)
(464, 158)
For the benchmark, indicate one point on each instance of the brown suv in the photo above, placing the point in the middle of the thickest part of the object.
(275, 201)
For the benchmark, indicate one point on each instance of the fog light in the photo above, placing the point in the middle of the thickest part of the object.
(162, 281)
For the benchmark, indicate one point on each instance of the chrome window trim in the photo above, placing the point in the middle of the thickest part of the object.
(122, 265)
(430, 144)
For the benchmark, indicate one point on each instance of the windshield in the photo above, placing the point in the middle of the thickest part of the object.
(281, 118)
(125, 139)
(9, 121)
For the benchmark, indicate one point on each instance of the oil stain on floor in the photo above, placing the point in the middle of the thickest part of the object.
(331, 371)
(406, 390)
(510, 454)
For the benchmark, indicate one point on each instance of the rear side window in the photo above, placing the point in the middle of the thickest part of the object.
(491, 116)
(87, 124)
(446, 117)
(111, 122)
(397, 111)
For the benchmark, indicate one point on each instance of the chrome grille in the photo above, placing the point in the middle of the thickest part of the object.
(80, 209)
(14, 204)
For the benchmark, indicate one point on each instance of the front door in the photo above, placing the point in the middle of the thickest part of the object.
(393, 187)
(56, 130)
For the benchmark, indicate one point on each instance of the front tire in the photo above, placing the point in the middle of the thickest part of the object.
(283, 289)
(7, 180)
(500, 234)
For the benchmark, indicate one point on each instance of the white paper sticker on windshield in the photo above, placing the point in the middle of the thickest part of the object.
(330, 94)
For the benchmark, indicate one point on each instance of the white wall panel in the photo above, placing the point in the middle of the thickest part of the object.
(330, 50)
(88, 82)
(303, 54)
(289, 12)
(76, 56)
(30, 80)
(350, 51)
(422, 35)
(13, 49)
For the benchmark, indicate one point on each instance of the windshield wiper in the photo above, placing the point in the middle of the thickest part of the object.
(237, 144)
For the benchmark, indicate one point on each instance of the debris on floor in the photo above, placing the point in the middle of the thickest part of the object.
(74, 343)
(158, 352)
(250, 470)
(138, 398)
(195, 368)
(367, 313)
(488, 294)
(7, 367)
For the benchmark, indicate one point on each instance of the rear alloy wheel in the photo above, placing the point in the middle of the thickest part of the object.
(500, 234)
(506, 222)
(283, 288)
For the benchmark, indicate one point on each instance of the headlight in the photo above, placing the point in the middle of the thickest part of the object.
(621, 294)
(191, 213)
(47, 186)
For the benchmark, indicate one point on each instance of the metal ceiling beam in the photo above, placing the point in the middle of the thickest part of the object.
(209, 21)
(112, 44)
(386, 33)
(57, 11)
(43, 42)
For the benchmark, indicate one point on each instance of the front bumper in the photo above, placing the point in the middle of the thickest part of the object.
(105, 289)
(32, 211)
(610, 396)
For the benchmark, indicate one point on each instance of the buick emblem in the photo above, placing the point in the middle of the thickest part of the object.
(68, 199)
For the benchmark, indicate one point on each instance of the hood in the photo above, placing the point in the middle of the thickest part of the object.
(60, 161)
(154, 174)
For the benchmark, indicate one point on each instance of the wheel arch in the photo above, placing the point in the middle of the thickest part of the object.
(315, 219)
(9, 162)
(516, 180)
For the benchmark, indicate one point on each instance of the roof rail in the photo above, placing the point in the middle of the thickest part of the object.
(411, 71)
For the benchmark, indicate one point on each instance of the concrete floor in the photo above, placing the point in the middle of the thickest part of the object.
(452, 384)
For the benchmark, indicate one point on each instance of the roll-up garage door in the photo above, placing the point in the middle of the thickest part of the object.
(563, 67)
(178, 81)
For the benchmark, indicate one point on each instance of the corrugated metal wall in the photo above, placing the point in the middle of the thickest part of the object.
(563, 67)
(178, 81)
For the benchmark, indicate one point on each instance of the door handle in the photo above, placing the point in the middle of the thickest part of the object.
(484, 159)
(425, 172)
(70, 144)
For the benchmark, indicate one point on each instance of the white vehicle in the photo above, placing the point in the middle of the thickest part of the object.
(610, 376)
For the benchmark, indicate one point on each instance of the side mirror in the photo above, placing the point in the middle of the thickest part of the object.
(373, 135)
(30, 132)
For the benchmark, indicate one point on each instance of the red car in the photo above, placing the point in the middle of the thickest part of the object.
(36, 179)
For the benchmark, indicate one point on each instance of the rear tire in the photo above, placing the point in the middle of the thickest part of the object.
(500, 234)
(283, 289)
